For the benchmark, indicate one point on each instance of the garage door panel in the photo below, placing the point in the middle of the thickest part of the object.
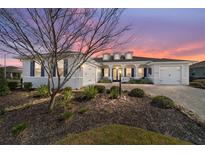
(170, 75)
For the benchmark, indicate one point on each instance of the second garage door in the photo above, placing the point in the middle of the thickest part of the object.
(170, 74)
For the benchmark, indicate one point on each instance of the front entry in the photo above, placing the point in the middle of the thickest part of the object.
(116, 74)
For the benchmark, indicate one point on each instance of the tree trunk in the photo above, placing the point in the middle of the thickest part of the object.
(52, 101)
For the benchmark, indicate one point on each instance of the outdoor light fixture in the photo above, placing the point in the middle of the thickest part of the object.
(120, 82)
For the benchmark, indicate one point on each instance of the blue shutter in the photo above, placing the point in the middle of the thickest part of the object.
(42, 71)
(54, 70)
(102, 72)
(133, 72)
(65, 70)
(32, 68)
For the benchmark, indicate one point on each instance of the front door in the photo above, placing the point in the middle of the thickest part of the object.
(116, 74)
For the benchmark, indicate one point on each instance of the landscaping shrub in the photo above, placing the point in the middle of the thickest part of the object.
(18, 128)
(83, 110)
(12, 85)
(4, 89)
(2, 110)
(114, 93)
(137, 92)
(198, 84)
(140, 81)
(100, 88)
(105, 80)
(90, 92)
(67, 94)
(27, 86)
(66, 115)
(67, 89)
(43, 91)
(163, 102)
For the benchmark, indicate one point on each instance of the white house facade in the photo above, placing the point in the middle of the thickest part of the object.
(114, 66)
(159, 71)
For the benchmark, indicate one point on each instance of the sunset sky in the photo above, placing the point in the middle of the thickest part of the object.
(162, 33)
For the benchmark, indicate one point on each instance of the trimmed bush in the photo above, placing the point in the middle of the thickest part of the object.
(137, 92)
(163, 102)
(105, 80)
(2, 110)
(12, 85)
(100, 88)
(140, 81)
(90, 92)
(114, 93)
(43, 91)
(18, 128)
(27, 86)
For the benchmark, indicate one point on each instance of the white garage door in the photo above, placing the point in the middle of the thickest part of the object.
(170, 75)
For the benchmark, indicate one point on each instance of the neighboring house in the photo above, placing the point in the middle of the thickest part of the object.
(13, 72)
(160, 71)
(197, 70)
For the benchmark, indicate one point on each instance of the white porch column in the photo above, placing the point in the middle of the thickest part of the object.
(110, 69)
(123, 70)
(136, 71)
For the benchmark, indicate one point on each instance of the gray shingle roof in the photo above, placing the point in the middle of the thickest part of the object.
(134, 58)
(199, 64)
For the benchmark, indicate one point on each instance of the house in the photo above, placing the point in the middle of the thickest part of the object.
(197, 70)
(13, 72)
(160, 71)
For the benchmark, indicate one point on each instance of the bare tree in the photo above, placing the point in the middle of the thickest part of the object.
(53, 34)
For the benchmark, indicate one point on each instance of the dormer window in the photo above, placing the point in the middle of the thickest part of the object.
(128, 55)
(117, 56)
(106, 56)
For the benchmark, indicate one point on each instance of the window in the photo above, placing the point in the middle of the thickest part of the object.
(128, 72)
(141, 72)
(60, 67)
(106, 72)
(150, 71)
(37, 69)
(65, 67)
(32, 66)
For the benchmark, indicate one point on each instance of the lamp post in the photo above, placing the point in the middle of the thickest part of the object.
(120, 83)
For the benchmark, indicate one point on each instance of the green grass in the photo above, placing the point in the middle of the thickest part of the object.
(67, 115)
(120, 134)
(83, 110)
(18, 128)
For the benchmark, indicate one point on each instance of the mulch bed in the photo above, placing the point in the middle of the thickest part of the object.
(45, 127)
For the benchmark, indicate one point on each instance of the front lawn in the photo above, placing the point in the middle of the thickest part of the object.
(120, 134)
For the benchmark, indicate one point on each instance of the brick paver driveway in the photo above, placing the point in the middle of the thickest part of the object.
(191, 98)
